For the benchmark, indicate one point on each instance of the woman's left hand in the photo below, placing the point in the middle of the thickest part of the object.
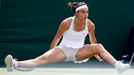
(98, 58)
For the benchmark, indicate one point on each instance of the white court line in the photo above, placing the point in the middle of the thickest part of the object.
(69, 71)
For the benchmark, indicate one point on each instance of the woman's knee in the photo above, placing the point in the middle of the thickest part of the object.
(94, 46)
(97, 47)
(91, 48)
(100, 45)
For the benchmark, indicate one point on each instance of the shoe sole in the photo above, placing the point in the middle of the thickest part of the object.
(8, 62)
(126, 68)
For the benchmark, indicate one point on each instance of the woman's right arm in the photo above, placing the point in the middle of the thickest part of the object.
(62, 28)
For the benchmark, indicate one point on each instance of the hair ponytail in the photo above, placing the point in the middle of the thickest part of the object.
(74, 5)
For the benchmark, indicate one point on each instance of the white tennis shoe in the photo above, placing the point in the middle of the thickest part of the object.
(11, 65)
(9, 61)
(120, 67)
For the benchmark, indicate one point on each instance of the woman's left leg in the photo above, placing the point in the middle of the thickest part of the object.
(90, 50)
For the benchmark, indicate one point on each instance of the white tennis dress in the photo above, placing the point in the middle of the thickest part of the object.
(73, 40)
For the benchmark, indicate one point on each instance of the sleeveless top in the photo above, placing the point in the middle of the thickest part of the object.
(72, 38)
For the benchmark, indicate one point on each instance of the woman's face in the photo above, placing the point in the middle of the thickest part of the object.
(83, 13)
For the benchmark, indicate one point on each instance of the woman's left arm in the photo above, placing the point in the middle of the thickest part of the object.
(91, 29)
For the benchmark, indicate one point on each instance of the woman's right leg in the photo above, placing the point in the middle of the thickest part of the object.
(51, 56)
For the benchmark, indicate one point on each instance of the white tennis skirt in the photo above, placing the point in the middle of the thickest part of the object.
(71, 53)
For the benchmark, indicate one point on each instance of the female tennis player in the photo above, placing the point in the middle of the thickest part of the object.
(73, 31)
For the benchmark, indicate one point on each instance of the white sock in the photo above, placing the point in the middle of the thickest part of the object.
(15, 63)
